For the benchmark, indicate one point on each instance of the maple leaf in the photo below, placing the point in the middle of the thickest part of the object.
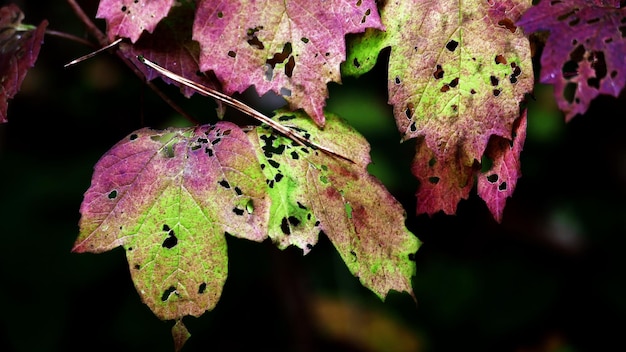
(457, 75)
(314, 192)
(169, 197)
(19, 49)
(583, 56)
(130, 18)
(293, 48)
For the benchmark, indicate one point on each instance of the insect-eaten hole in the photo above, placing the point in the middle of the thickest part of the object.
(284, 226)
(434, 180)
(516, 72)
(133, 136)
(494, 80)
(202, 288)
(569, 92)
(170, 241)
(220, 14)
(285, 92)
(167, 293)
(408, 112)
(112, 194)
(253, 40)
(452, 45)
(367, 13)
(284, 55)
(570, 69)
(493, 178)
(232, 54)
(598, 63)
(502, 187)
(356, 63)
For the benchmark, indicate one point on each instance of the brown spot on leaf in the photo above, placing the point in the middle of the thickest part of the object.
(438, 74)
(508, 24)
(500, 59)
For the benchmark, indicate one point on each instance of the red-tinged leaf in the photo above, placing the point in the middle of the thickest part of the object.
(457, 74)
(169, 197)
(314, 192)
(584, 54)
(170, 46)
(129, 18)
(498, 183)
(293, 48)
(19, 49)
(443, 182)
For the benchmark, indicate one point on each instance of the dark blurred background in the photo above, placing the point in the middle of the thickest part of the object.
(550, 277)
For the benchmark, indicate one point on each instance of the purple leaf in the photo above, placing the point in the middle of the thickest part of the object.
(584, 54)
(19, 49)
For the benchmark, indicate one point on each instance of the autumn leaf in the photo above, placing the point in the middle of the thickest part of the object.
(293, 48)
(313, 192)
(169, 198)
(583, 56)
(457, 75)
(19, 49)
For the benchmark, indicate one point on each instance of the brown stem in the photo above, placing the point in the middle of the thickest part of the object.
(69, 37)
(104, 41)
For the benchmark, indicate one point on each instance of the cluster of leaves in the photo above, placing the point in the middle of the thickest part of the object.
(458, 76)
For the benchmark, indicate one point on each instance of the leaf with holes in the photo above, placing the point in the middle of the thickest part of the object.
(457, 75)
(313, 192)
(169, 198)
(497, 183)
(19, 49)
(293, 48)
(130, 18)
(584, 54)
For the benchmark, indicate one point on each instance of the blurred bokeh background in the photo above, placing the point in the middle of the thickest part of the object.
(550, 277)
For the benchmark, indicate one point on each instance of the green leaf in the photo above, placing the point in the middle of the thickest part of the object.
(313, 192)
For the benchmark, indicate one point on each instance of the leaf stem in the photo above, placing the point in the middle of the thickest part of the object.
(71, 37)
